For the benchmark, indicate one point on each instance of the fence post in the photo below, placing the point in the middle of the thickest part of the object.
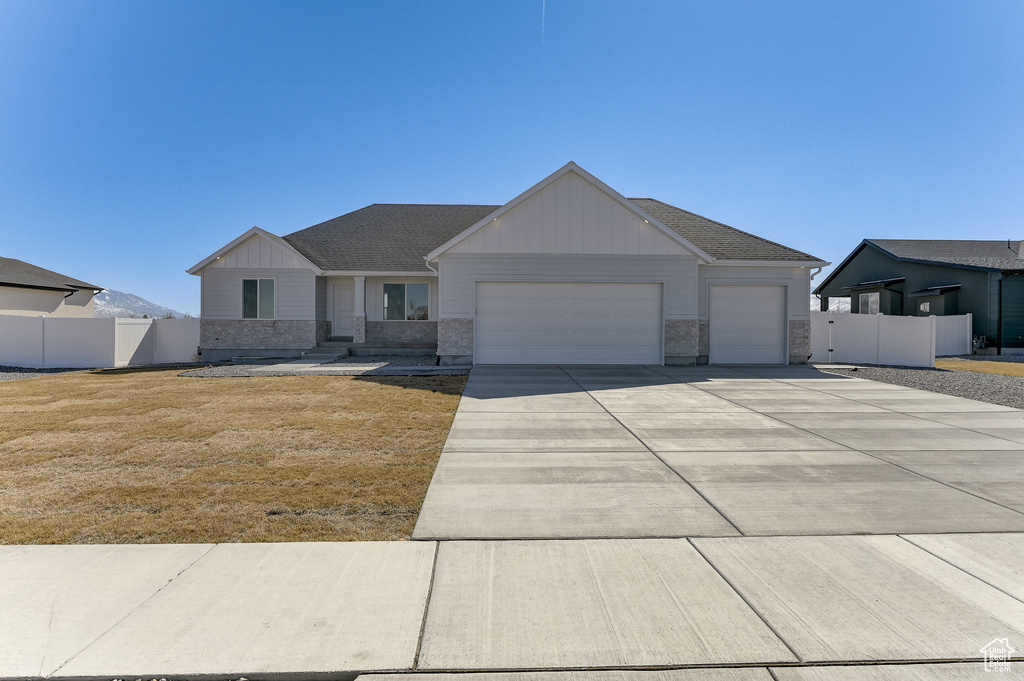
(931, 354)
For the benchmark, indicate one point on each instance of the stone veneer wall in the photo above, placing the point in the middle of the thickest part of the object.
(703, 341)
(257, 334)
(455, 336)
(359, 329)
(799, 341)
(397, 332)
(681, 341)
(323, 330)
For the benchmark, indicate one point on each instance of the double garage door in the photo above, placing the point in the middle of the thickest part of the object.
(568, 323)
(618, 323)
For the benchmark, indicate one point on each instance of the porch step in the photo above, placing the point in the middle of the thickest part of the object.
(334, 344)
(370, 349)
(340, 339)
(350, 349)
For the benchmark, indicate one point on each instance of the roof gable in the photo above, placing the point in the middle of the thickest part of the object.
(570, 211)
(26, 275)
(257, 249)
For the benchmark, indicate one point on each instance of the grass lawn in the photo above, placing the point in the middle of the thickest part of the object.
(983, 367)
(146, 456)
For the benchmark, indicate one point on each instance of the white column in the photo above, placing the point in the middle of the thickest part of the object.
(359, 311)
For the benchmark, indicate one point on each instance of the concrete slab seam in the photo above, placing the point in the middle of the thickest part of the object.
(426, 607)
(745, 601)
(878, 458)
(662, 461)
(133, 610)
(944, 483)
(961, 569)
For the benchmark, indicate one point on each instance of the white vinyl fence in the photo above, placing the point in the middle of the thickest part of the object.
(888, 339)
(50, 342)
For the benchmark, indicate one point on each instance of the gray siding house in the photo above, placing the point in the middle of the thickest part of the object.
(570, 271)
(30, 290)
(924, 277)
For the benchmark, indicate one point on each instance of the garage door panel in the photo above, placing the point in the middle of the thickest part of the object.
(532, 322)
(748, 324)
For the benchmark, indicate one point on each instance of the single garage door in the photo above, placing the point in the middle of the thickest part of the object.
(567, 323)
(748, 325)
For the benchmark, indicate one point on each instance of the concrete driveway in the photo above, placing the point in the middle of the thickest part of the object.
(561, 452)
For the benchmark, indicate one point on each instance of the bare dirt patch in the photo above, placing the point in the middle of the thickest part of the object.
(145, 456)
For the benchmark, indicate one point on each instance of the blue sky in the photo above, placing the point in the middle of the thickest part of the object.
(138, 137)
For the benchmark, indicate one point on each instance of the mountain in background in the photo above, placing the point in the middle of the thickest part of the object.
(112, 303)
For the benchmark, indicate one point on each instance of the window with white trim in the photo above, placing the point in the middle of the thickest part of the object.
(406, 301)
(258, 299)
(869, 303)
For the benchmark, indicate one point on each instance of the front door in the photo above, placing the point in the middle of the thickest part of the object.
(344, 305)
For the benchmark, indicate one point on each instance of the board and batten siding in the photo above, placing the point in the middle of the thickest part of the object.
(797, 281)
(294, 291)
(459, 274)
(258, 252)
(570, 216)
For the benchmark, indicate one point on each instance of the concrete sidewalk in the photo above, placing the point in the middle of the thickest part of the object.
(336, 610)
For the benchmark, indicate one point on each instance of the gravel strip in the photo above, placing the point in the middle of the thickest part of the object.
(14, 373)
(1007, 391)
(380, 365)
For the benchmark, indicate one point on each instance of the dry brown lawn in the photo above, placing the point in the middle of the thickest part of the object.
(147, 456)
(983, 367)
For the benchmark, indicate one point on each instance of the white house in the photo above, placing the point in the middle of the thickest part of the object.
(28, 290)
(569, 271)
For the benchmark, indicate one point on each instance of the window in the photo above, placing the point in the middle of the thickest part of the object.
(925, 307)
(869, 303)
(406, 301)
(257, 299)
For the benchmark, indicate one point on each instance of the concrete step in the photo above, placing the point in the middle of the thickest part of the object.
(392, 349)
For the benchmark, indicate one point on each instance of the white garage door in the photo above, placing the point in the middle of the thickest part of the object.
(578, 323)
(748, 325)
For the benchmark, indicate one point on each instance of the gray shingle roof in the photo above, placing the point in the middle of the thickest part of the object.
(994, 255)
(19, 273)
(385, 237)
(718, 240)
(394, 237)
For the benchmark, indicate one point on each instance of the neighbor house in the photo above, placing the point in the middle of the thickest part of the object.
(924, 277)
(28, 290)
(570, 271)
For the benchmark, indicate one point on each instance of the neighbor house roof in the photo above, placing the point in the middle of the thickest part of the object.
(994, 255)
(24, 275)
(394, 237)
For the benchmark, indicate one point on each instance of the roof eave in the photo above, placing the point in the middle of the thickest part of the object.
(722, 262)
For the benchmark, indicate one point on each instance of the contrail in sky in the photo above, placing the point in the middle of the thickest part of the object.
(543, 7)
